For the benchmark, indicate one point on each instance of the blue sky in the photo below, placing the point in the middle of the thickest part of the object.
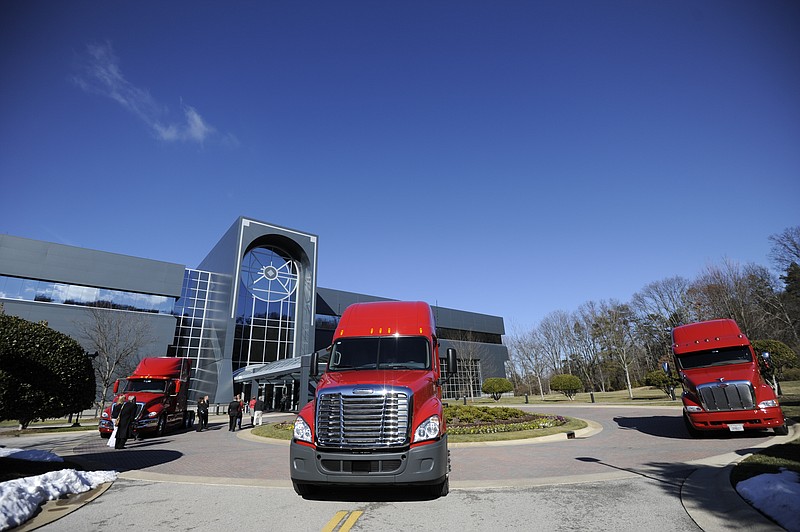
(513, 158)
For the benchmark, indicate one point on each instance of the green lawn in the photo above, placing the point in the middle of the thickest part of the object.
(644, 395)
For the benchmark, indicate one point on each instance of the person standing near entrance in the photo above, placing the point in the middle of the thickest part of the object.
(127, 412)
(202, 414)
(258, 412)
(252, 407)
(234, 413)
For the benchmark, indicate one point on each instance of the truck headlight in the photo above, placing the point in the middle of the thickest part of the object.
(767, 404)
(691, 408)
(152, 414)
(427, 430)
(302, 431)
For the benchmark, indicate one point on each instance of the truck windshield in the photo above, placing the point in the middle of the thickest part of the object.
(146, 385)
(391, 352)
(715, 357)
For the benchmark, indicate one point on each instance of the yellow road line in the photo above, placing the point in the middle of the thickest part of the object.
(331, 525)
(350, 521)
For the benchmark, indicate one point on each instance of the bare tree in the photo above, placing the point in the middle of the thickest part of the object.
(665, 299)
(525, 352)
(552, 336)
(749, 295)
(470, 352)
(118, 337)
(614, 330)
(585, 346)
(785, 248)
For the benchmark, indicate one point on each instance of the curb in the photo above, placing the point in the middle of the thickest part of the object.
(712, 501)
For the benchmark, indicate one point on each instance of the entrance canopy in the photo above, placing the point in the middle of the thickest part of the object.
(288, 367)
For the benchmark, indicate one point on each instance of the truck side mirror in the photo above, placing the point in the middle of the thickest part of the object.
(765, 358)
(313, 369)
(452, 363)
(116, 386)
(177, 387)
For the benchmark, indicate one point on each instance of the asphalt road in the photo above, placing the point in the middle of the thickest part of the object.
(635, 468)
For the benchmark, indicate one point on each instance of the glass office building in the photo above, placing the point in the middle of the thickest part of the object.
(244, 315)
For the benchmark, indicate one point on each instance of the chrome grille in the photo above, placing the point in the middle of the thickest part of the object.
(723, 396)
(346, 419)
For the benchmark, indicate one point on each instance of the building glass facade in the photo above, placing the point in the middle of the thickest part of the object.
(267, 307)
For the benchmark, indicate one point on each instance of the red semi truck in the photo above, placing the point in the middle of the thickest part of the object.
(377, 416)
(161, 388)
(723, 386)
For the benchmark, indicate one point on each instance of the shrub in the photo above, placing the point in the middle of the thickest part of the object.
(781, 357)
(569, 385)
(658, 379)
(496, 387)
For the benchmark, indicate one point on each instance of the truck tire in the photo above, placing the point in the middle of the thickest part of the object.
(783, 430)
(161, 427)
(304, 490)
(440, 489)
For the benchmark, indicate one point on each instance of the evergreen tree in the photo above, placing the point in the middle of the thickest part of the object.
(43, 373)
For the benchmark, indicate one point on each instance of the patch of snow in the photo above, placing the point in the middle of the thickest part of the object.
(776, 495)
(20, 498)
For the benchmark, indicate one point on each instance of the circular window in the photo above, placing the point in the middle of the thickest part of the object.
(269, 275)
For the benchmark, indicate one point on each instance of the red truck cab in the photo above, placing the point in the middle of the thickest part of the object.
(377, 415)
(161, 388)
(723, 386)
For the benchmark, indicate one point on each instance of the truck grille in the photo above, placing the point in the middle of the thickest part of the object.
(348, 419)
(723, 396)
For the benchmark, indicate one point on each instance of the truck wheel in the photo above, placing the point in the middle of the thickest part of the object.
(440, 489)
(161, 427)
(783, 430)
(304, 490)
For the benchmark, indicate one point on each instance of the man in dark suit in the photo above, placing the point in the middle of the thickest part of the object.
(127, 413)
(234, 413)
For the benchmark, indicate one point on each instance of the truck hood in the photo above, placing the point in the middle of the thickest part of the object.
(416, 380)
(149, 400)
(730, 372)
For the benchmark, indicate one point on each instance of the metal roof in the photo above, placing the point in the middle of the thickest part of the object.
(270, 370)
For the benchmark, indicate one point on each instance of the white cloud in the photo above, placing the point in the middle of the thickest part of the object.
(100, 74)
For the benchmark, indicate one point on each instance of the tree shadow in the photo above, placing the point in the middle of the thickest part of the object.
(705, 488)
(674, 427)
(132, 458)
